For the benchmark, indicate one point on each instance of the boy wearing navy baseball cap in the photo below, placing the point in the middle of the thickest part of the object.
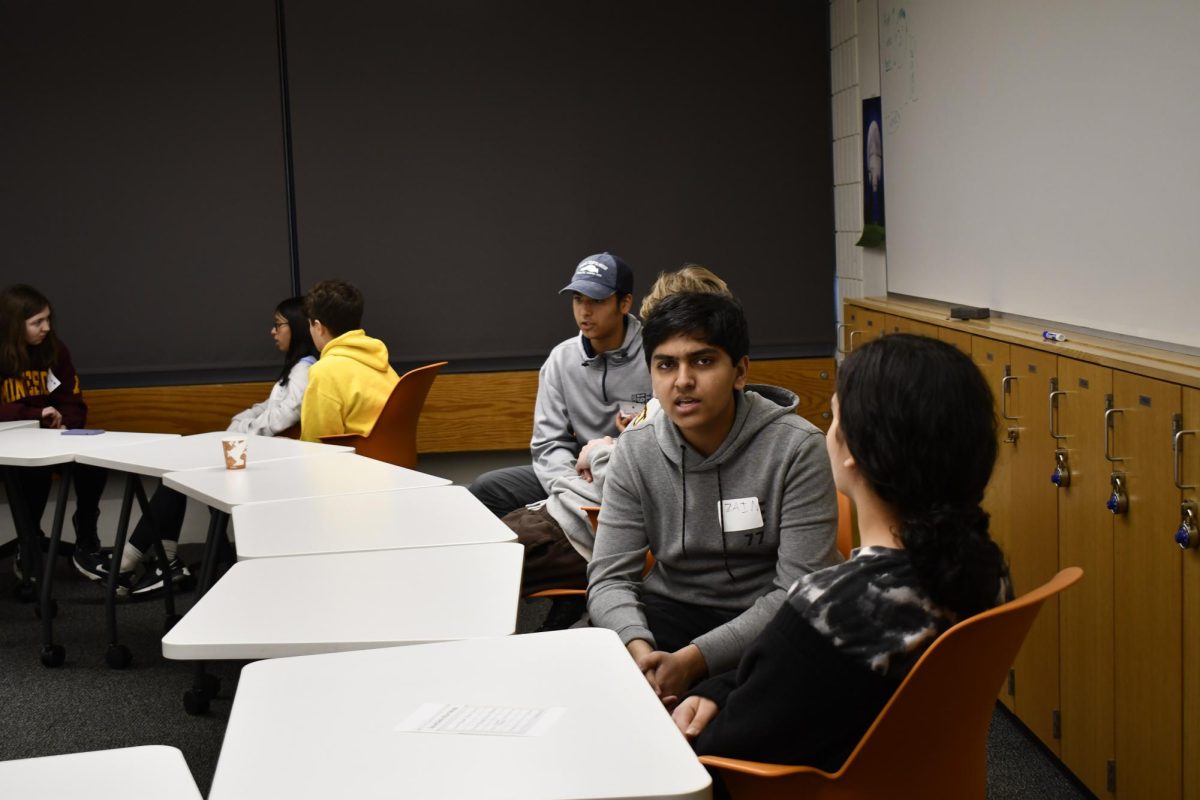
(590, 386)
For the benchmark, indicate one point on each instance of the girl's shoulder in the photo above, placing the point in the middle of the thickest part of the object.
(872, 607)
(866, 565)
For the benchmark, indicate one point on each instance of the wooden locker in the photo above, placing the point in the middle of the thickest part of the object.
(1147, 592)
(960, 339)
(1085, 531)
(1033, 537)
(894, 324)
(861, 326)
(992, 359)
(1190, 477)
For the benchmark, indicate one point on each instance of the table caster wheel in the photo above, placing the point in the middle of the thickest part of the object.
(169, 622)
(195, 703)
(53, 655)
(37, 610)
(118, 656)
(210, 685)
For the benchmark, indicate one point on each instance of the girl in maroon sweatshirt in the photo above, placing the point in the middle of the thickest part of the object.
(38, 382)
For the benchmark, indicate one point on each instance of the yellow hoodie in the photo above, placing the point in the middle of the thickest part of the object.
(347, 387)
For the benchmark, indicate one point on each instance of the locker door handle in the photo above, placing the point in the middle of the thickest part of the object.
(1005, 392)
(841, 326)
(1177, 449)
(1054, 394)
(1108, 428)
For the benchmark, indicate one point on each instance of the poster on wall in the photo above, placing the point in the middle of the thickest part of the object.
(872, 155)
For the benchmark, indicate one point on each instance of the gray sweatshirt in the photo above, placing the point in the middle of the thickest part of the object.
(569, 494)
(578, 397)
(771, 456)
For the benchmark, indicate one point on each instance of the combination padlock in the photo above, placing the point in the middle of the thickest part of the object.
(1118, 501)
(1061, 477)
(1187, 535)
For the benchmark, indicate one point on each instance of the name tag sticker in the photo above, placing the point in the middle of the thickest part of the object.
(740, 515)
(52, 381)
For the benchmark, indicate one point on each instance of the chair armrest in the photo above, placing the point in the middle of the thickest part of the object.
(559, 593)
(761, 769)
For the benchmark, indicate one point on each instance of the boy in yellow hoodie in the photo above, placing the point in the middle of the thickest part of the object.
(349, 385)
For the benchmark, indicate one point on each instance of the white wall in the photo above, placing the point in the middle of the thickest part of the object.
(854, 62)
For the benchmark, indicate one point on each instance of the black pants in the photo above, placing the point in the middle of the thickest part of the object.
(167, 507)
(88, 481)
(675, 624)
(505, 490)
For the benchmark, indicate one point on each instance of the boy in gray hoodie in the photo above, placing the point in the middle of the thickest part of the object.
(582, 386)
(729, 489)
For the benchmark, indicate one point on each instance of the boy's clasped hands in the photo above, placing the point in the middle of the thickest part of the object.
(671, 674)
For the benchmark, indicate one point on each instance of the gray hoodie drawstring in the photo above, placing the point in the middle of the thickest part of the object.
(683, 474)
(720, 510)
(721, 522)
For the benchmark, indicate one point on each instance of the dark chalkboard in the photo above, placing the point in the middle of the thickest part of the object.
(455, 159)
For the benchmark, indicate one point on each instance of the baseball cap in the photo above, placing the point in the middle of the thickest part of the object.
(599, 276)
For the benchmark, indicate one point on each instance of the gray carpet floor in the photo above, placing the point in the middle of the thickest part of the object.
(85, 705)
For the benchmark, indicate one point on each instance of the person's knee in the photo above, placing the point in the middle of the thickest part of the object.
(484, 487)
(490, 490)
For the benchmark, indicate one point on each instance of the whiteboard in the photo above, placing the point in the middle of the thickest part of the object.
(1043, 159)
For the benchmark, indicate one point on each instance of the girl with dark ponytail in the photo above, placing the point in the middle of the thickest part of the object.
(916, 416)
(912, 443)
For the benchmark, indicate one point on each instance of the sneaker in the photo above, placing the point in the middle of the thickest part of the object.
(93, 566)
(152, 579)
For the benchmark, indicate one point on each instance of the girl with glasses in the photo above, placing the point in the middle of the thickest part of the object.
(276, 415)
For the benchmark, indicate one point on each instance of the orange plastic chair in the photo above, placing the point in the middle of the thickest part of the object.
(930, 740)
(845, 529)
(394, 437)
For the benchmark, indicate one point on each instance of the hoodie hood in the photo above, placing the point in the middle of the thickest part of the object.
(756, 407)
(630, 349)
(356, 345)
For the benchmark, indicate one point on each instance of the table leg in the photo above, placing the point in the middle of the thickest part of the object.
(204, 686)
(118, 655)
(28, 535)
(53, 655)
(218, 523)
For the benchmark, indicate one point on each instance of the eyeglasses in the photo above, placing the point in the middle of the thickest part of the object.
(277, 325)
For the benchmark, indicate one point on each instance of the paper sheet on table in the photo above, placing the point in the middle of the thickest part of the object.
(480, 720)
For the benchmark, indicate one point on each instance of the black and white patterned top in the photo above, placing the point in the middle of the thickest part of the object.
(872, 609)
(810, 685)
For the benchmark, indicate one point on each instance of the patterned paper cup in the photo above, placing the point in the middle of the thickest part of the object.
(234, 450)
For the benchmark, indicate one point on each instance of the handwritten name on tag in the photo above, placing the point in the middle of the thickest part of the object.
(740, 515)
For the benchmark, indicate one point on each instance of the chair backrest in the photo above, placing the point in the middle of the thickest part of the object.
(845, 528)
(930, 740)
(394, 436)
